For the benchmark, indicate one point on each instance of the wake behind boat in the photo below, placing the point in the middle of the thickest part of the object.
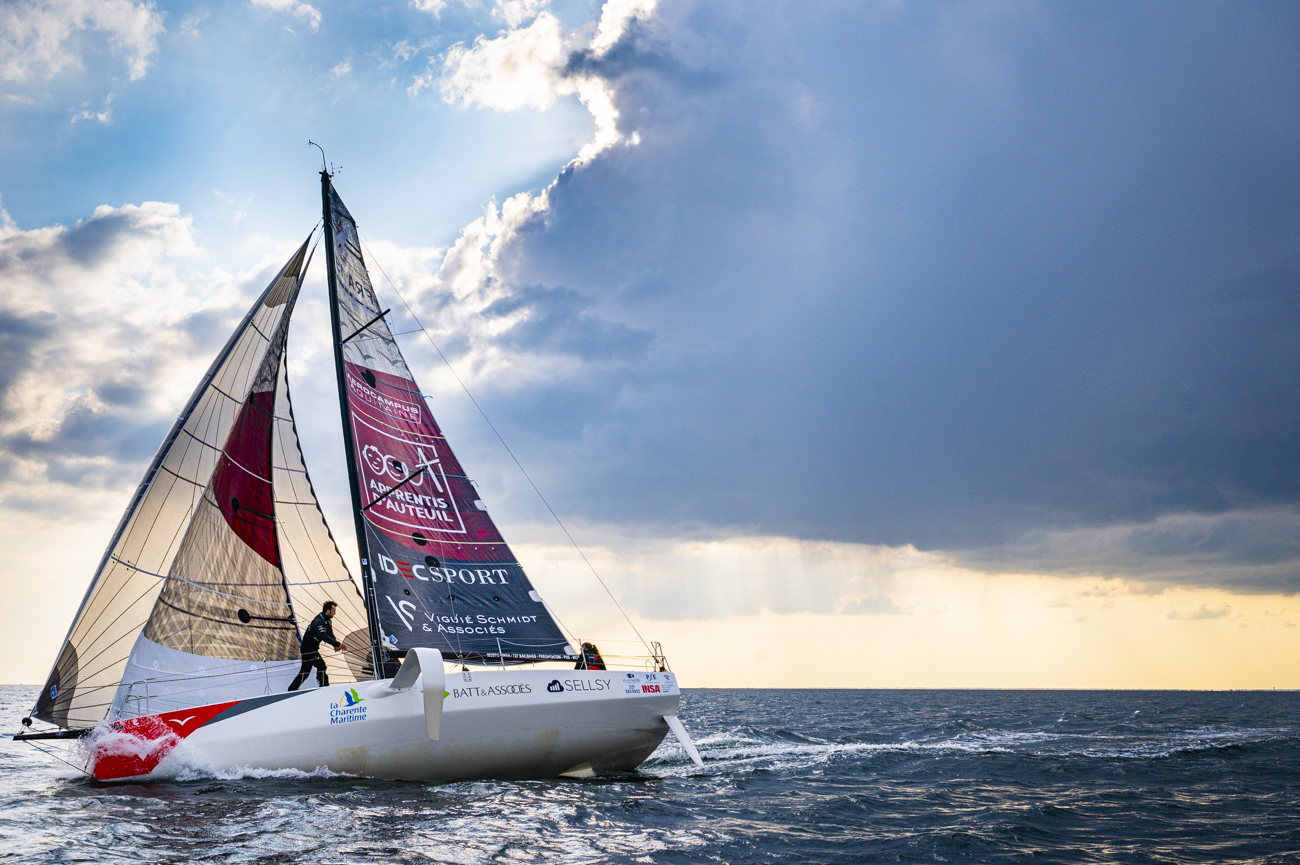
(188, 637)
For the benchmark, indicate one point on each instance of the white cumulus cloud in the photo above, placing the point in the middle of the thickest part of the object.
(35, 35)
(433, 7)
(526, 67)
(520, 69)
(615, 18)
(297, 8)
(516, 12)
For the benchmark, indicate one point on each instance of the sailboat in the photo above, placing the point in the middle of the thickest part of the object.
(452, 666)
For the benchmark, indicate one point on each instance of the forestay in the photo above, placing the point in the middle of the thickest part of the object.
(442, 575)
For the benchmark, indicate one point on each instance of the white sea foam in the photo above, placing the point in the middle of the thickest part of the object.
(740, 750)
(106, 741)
(181, 769)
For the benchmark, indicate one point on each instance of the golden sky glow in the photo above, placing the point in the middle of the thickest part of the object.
(937, 625)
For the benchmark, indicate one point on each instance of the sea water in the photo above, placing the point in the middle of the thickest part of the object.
(789, 776)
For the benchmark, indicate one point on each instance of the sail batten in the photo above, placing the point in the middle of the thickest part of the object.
(439, 572)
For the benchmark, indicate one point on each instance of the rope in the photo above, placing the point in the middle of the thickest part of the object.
(61, 760)
(501, 439)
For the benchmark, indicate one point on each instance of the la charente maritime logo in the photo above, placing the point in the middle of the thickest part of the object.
(348, 709)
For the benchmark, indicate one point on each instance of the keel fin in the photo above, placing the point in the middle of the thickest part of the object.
(582, 770)
(682, 736)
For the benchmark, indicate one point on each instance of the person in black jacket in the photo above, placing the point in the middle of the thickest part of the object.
(321, 630)
(591, 659)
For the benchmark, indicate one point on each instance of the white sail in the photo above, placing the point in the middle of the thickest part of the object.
(222, 629)
(90, 665)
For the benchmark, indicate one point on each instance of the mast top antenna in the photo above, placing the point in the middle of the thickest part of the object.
(326, 169)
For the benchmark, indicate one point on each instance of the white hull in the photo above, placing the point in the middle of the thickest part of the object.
(497, 724)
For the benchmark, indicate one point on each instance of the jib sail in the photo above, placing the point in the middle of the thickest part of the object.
(92, 663)
(441, 574)
(226, 626)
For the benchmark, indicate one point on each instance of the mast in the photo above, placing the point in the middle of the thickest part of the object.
(367, 580)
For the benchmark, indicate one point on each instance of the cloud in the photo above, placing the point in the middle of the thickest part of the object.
(534, 66)
(1029, 310)
(616, 16)
(37, 36)
(106, 327)
(498, 327)
(512, 12)
(297, 8)
(712, 578)
(520, 69)
(104, 115)
(433, 7)
(1201, 612)
(872, 605)
(1245, 550)
(343, 67)
(1030, 307)
(516, 12)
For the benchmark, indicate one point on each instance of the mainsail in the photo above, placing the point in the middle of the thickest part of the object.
(158, 582)
(440, 574)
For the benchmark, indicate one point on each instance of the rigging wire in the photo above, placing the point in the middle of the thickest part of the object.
(80, 769)
(501, 439)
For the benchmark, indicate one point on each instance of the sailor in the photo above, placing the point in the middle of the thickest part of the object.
(321, 630)
(591, 659)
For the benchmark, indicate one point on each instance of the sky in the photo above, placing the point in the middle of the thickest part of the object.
(857, 344)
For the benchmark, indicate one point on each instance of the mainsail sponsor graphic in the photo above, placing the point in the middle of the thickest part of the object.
(442, 574)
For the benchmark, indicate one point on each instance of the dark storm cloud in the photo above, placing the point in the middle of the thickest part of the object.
(1254, 551)
(557, 321)
(943, 274)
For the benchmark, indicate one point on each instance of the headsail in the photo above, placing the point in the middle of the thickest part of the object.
(440, 574)
(151, 535)
(224, 627)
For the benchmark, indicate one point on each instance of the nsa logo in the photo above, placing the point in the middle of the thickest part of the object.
(555, 687)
